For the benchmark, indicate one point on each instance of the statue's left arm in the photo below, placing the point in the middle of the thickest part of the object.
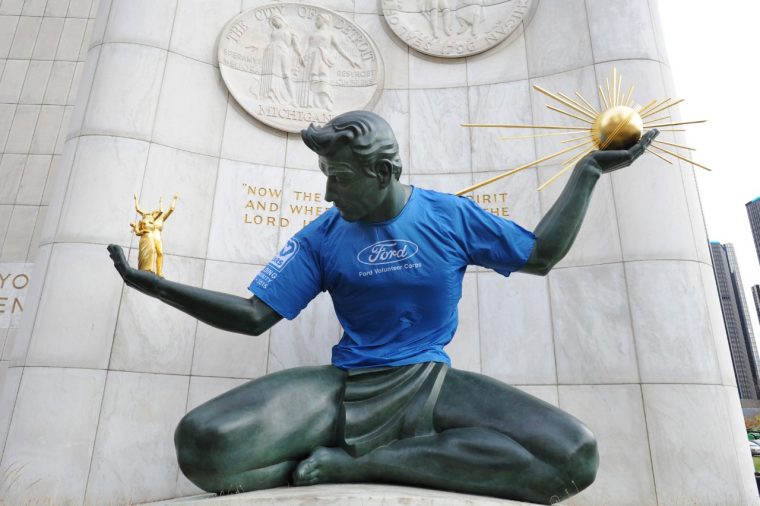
(556, 231)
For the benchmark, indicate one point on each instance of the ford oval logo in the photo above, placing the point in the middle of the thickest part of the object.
(387, 252)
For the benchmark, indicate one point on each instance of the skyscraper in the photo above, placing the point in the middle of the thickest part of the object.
(753, 211)
(741, 340)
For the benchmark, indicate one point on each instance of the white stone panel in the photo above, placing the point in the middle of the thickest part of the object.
(147, 22)
(83, 91)
(298, 156)
(52, 432)
(33, 181)
(197, 26)
(5, 218)
(52, 174)
(81, 281)
(12, 82)
(744, 459)
(71, 39)
(504, 63)
(227, 354)
(670, 325)
(35, 241)
(10, 377)
(134, 459)
(17, 343)
(63, 131)
(393, 106)
(88, 31)
(75, 82)
(557, 38)
(592, 325)
(500, 103)
(11, 170)
(581, 80)
(46, 132)
(464, 349)
(344, 7)
(58, 87)
(22, 129)
(192, 107)
(394, 52)
(6, 117)
(7, 31)
(193, 177)
(101, 21)
(514, 198)
(450, 184)
(98, 206)
(34, 7)
(36, 79)
(79, 8)
(440, 144)
(598, 239)
(125, 91)
(56, 8)
(515, 329)
(62, 173)
(367, 7)
(19, 234)
(152, 336)
(234, 234)
(657, 28)
(612, 39)
(686, 473)
(717, 327)
(47, 39)
(303, 200)
(430, 72)
(615, 414)
(248, 140)
(307, 340)
(12, 7)
(695, 212)
(26, 35)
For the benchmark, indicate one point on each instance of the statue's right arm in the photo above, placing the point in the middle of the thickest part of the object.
(222, 310)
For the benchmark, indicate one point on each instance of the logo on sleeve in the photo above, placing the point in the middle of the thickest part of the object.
(387, 252)
(286, 254)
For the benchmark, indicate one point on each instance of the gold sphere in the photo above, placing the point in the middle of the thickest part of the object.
(618, 127)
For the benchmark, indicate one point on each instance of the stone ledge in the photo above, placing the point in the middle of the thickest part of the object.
(343, 495)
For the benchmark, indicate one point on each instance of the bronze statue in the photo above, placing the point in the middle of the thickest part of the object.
(151, 248)
(415, 420)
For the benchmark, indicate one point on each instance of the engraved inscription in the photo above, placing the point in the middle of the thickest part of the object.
(455, 28)
(289, 65)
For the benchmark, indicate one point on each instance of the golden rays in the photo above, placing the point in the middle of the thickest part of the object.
(619, 126)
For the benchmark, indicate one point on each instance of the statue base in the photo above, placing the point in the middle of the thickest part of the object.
(343, 495)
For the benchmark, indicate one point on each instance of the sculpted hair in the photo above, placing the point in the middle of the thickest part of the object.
(369, 137)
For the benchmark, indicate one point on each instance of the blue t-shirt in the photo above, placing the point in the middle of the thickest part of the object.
(395, 285)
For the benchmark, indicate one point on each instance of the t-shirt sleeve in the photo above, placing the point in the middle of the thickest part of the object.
(291, 279)
(493, 242)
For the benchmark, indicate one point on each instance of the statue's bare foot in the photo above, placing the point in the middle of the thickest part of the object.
(326, 465)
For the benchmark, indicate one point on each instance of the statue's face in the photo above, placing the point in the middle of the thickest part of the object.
(357, 195)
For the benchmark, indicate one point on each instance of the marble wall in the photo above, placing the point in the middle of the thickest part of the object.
(625, 333)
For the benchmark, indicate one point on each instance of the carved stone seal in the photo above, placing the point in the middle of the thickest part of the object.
(289, 65)
(455, 28)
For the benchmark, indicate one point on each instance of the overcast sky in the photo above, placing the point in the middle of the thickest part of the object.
(714, 54)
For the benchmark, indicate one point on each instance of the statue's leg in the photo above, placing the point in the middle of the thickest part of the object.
(159, 254)
(253, 436)
(490, 439)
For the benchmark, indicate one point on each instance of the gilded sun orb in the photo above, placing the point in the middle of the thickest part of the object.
(619, 124)
(618, 127)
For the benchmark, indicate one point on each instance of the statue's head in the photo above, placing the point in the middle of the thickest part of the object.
(359, 155)
(369, 138)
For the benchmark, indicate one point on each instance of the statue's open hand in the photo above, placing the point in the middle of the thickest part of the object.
(144, 281)
(615, 159)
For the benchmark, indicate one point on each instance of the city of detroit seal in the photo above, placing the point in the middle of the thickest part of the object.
(289, 65)
(455, 28)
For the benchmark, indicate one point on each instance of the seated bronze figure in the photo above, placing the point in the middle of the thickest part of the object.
(389, 409)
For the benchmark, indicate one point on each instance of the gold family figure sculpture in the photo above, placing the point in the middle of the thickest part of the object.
(148, 229)
(619, 125)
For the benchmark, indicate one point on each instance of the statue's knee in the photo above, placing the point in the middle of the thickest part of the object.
(583, 461)
(200, 443)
